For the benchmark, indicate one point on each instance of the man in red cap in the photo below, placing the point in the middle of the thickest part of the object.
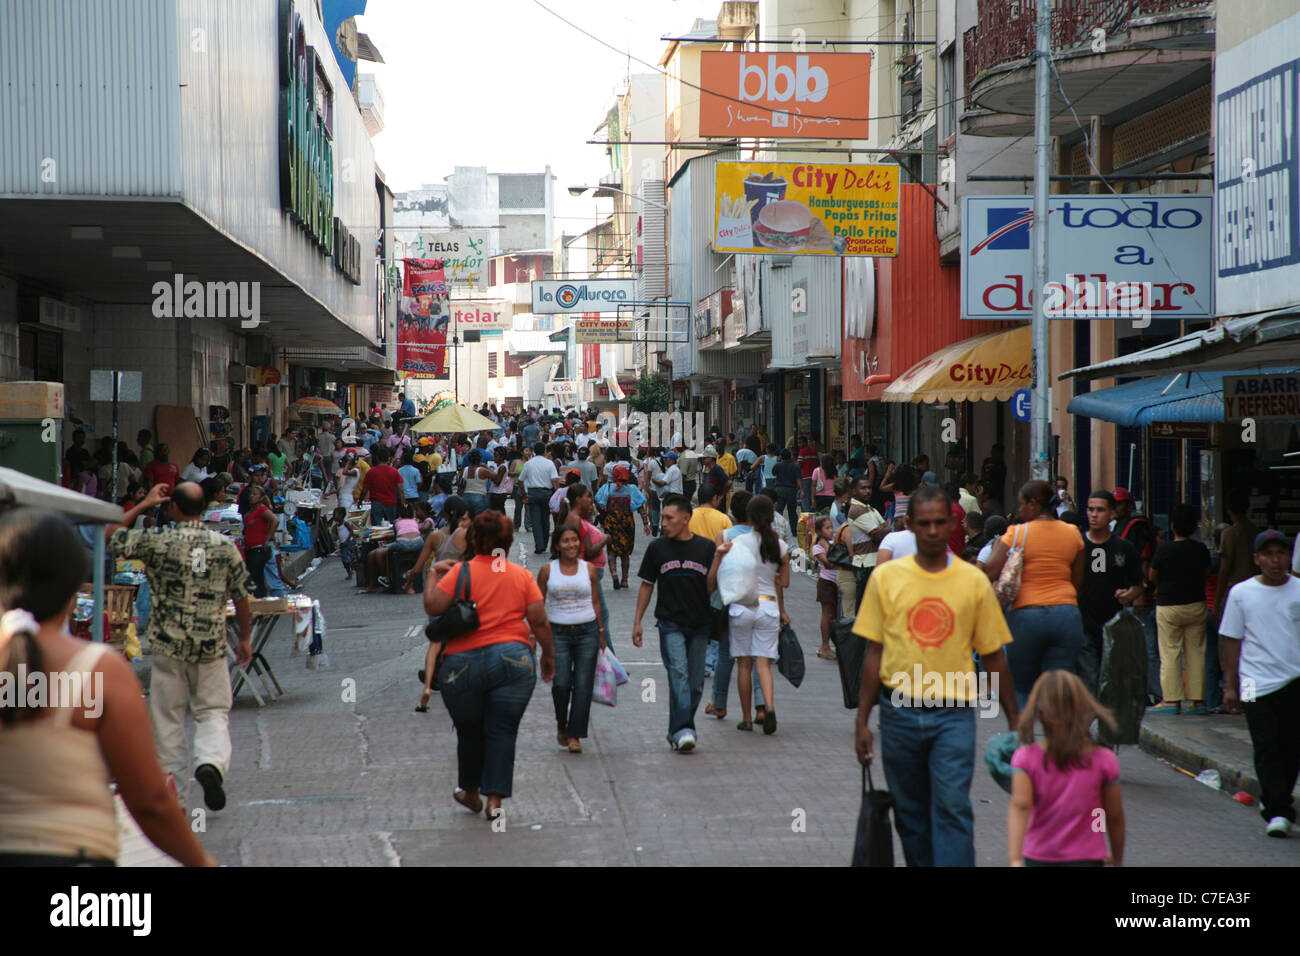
(1137, 531)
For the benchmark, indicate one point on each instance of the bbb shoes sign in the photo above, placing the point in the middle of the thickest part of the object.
(1137, 257)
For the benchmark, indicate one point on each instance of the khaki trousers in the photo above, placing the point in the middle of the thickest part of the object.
(204, 689)
(847, 582)
(1180, 631)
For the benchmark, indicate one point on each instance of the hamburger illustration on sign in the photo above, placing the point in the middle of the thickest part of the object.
(784, 225)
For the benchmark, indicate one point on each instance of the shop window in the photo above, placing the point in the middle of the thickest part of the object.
(40, 355)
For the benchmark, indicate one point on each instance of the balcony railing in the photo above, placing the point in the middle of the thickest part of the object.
(1005, 32)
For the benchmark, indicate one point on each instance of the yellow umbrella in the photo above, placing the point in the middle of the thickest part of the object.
(451, 417)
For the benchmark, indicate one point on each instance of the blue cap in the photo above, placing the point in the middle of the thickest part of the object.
(670, 454)
(930, 478)
(1266, 537)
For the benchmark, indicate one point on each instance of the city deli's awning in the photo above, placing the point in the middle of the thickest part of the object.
(987, 368)
(1182, 397)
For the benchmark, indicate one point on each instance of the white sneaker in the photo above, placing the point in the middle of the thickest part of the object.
(686, 742)
(1278, 827)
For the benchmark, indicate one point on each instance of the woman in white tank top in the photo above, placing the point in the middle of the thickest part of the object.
(573, 608)
(56, 808)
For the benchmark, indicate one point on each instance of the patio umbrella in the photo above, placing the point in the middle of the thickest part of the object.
(454, 417)
(316, 406)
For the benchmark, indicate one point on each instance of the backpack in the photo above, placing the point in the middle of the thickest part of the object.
(1148, 550)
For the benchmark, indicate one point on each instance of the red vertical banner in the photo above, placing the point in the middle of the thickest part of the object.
(422, 316)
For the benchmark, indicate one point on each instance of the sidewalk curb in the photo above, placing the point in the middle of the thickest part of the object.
(1233, 776)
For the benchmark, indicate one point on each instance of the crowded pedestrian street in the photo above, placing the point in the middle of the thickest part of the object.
(317, 781)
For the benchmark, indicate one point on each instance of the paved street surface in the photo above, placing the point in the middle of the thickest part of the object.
(317, 780)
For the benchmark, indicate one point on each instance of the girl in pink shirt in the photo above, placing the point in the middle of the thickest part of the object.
(1065, 799)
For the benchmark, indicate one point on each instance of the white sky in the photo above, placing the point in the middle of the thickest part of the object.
(504, 84)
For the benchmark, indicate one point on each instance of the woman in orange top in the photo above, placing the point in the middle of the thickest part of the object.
(487, 675)
(1045, 622)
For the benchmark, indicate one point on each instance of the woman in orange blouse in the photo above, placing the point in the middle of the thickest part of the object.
(1045, 622)
(487, 675)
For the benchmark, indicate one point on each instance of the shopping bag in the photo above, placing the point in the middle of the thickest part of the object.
(1007, 587)
(738, 578)
(790, 661)
(620, 674)
(849, 651)
(605, 690)
(874, 843)
(1123, 684)
(997, 757)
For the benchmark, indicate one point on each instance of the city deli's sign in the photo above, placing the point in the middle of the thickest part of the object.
(1273, 397)
(307, 146)
(1257, 171)
(485, 315)
(806, 209)
(1134, 257)
(555, 296)
(463, 253)
(811, 95)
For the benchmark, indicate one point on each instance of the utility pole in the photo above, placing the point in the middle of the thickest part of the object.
(1040, 434)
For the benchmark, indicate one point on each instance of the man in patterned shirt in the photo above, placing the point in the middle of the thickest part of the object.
(192, 571)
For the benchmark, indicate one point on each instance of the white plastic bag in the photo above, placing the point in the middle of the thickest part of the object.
(738, 577)
(605, 690)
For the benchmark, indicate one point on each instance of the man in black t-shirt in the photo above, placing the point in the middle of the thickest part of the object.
(678, 561)
(1112, 577)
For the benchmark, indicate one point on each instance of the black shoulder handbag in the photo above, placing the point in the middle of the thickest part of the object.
(460, 618)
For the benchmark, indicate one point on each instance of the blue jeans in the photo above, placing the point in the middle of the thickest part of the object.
(539, 516)
(1147, 615)
(604, 608)
(486, 691)
(576, 648)
(682, 648)
(1043, 639)
(654, 511)
(807, 498)
(929, 758)
(477, 503)
(379, 513)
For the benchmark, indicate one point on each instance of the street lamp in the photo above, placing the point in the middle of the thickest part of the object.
(576, 191)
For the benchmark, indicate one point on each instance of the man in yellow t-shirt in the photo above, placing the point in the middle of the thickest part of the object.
(363, 466)
(708, 520)
(924, 616)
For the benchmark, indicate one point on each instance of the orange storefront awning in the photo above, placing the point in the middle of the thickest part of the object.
(986, 368)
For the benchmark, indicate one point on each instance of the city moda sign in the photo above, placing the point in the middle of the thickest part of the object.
(806, 209)
(556, 296)
(463, 253)
(1134, 257)
(596, 331)
(484, 315)
(1262, 397)
(1257, 172)
(811, 95)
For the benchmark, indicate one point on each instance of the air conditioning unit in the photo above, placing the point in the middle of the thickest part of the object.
(60, 315)
(241, 375)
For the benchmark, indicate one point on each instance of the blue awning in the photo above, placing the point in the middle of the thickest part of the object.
(1186, 397)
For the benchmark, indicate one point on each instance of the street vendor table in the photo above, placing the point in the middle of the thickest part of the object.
(264, 615)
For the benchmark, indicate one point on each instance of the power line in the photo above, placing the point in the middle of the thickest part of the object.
(1087, 144)
(700, 89)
